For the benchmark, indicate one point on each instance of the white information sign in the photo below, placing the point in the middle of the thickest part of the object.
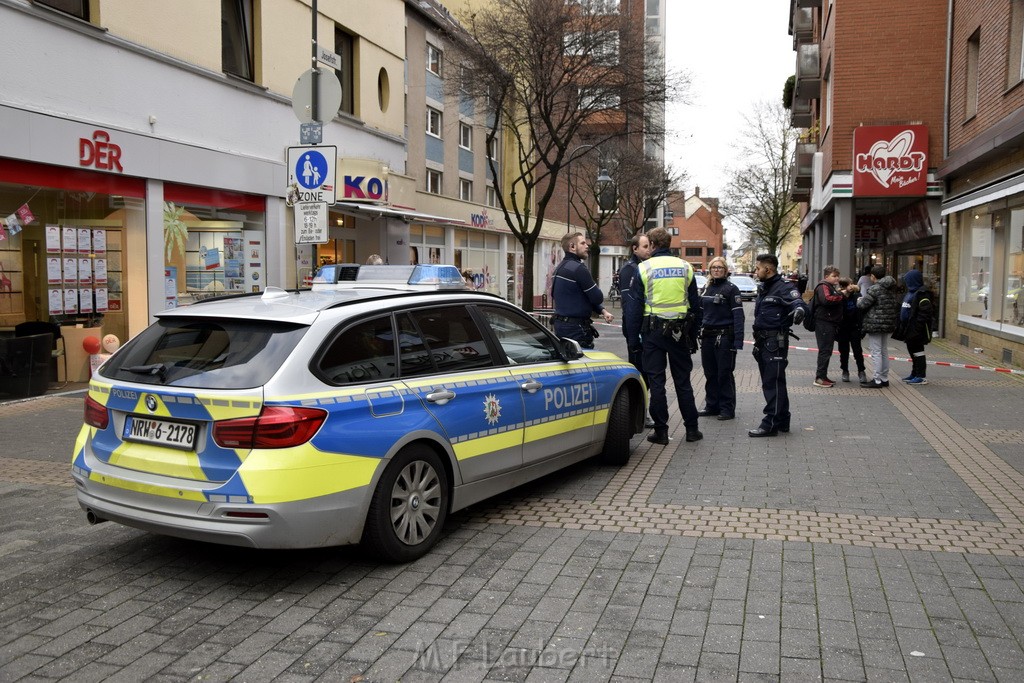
(310, 223)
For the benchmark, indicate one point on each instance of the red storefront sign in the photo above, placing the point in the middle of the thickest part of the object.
(100, 152)
(890, 161)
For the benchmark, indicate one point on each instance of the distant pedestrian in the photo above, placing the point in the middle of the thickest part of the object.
(881, 307)
(828, 314)
(374, 260)
(577, 297)
(864, 283)
(915, 326)
(850, 332)
(801, 283)
(721, 339)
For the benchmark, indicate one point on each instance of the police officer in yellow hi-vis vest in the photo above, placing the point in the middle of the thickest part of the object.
(669, 318)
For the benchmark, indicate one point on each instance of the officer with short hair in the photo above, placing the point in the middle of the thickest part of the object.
(778, 307)
(641, 248)
(669, 321)
(576, 294)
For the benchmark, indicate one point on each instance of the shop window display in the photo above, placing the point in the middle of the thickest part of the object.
(992, 268)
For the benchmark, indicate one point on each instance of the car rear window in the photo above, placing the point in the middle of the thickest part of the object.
(206, 353)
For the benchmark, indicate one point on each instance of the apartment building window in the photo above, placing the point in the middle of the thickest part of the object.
(465, 136)
(492, 196)
(343, 47)
(465, 190)
(76, 8)
(433, 122)
(492, 148)
(828, 97)
(434, 181)
(711, 252)
(1015, 51)
(971, 82)
(433, 59)
(592, 99)
(236, 38)
(606, 48)
(694, 251)
(601, 6)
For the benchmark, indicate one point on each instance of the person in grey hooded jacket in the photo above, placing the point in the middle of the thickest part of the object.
(881, 307)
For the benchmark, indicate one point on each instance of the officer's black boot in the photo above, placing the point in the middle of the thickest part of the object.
(659, 436)
(694, 434)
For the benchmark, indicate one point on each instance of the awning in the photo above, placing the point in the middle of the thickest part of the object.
(373, 211)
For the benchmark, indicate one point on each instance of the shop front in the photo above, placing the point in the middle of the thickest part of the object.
(102, 228)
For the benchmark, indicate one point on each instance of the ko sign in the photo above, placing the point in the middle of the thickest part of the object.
(313, 171)
(890, 161)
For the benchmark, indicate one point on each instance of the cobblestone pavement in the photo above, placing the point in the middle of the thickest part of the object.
(883, 539)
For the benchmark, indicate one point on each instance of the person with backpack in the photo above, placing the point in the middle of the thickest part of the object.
(827, 303)
(881, 308)
(915, 324)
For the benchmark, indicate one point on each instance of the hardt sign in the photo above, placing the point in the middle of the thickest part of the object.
(890, 161)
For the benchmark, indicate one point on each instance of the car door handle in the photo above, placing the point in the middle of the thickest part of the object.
(440, 397)
(531, 386)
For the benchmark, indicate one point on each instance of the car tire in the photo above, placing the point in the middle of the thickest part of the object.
(409, 506)
(616, 439)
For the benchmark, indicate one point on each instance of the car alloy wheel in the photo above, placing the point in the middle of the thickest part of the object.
(415, 502)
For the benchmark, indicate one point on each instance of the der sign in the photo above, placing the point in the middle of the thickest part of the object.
(313, 171)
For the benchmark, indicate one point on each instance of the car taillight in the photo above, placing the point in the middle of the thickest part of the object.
(95, 414)
(274, 427)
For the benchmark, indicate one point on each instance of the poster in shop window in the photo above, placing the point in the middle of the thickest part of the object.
(85, 297)
(99, 274)
(53, 270)
(99, 242)
(70, 301)
(102, 304)
(52, 239)
(84, 240)
(69, 244)
(84, 271)
(70, 271)
(56, 301)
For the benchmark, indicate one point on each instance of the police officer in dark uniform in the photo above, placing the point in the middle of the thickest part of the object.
(669, 322)
(641, 248)
(721, 338)
(576, 294)
(778, 308)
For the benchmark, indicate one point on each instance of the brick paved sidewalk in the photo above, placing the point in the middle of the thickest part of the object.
(883, 539)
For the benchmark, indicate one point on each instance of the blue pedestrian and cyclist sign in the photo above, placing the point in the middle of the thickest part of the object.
(312, 170)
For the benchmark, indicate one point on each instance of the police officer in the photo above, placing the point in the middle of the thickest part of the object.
(721, 339)
(668, 290)
(778, 307)
(641, 248)
(576, 294)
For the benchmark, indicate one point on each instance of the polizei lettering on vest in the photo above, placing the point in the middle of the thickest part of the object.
(571, 396)
(659, 273)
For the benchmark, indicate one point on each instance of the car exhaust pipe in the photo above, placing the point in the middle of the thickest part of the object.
(93, 518)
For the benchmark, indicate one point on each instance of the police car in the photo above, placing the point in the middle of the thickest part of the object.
(362, 410)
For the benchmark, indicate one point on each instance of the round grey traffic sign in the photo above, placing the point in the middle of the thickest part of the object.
(328, 96)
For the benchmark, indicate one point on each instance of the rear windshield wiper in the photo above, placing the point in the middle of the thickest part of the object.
(158, 369)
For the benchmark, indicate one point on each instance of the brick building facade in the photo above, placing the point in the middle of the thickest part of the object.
(696, 227)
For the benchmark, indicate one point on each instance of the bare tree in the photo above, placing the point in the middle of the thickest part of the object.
(758, 196)
(643, 185)
(551, 72)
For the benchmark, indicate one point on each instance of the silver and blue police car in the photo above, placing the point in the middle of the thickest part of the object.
(363, 410)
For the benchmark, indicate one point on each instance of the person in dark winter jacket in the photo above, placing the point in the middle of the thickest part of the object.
(915, 324)
(828, 314)
(881, 307)
(850, 332)
(721, 339)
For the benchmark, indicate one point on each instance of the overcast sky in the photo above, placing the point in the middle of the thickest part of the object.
(736, 53)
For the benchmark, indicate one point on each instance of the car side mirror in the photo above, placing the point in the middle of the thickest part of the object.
(571, 349)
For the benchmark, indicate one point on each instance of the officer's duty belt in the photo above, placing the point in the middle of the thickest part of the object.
(567, 319)
(715, 331)
(764, 334)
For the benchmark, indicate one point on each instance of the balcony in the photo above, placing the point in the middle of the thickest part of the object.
(801, 116)
(799, 188)
(802, 27)
(808, 72)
